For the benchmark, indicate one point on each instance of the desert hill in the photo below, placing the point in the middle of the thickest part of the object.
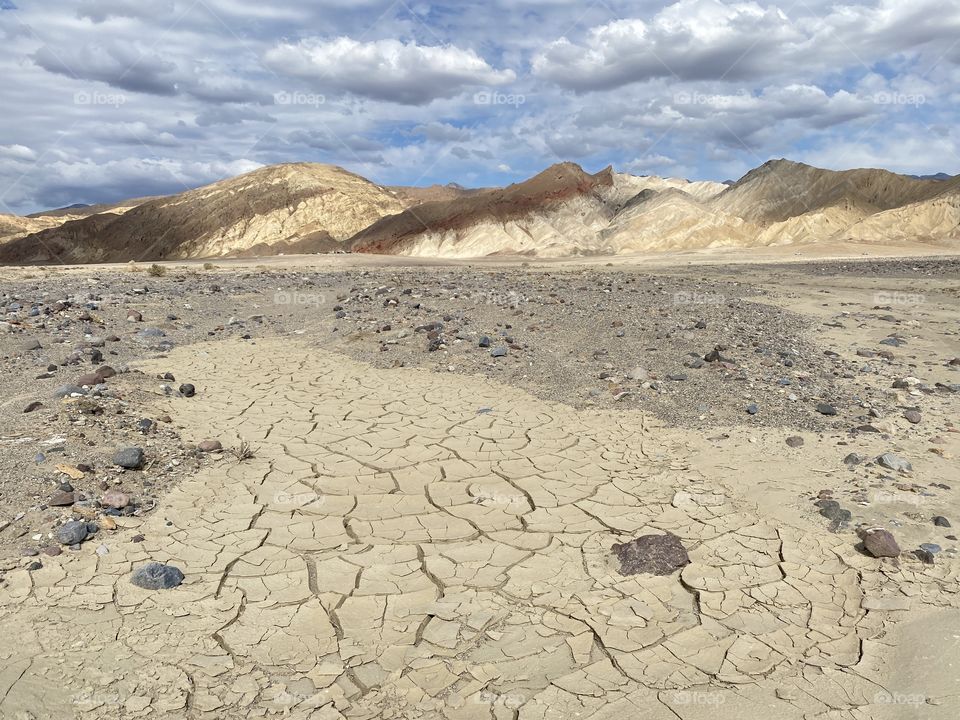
(780, 189)
(563, 211)
(274, 208)
(558, 212)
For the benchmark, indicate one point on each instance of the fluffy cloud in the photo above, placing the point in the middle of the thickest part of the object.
(710, 40)
(387, 70)
(118, 98)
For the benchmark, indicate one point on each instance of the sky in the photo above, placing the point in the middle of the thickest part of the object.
(110, 99)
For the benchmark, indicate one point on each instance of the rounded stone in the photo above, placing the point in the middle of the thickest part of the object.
(130, 458)
(71, 533)
(156, 576)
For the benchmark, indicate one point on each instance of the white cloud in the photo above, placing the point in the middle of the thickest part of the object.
(711, 40)
(388, 70)
(17, 152)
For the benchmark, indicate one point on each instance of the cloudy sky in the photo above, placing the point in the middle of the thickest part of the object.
(109, 99)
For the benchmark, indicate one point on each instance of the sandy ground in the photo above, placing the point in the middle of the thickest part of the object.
(400, 547)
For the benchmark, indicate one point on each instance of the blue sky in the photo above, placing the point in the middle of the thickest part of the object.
(108, 99)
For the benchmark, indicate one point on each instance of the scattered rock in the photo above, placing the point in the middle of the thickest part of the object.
(654, 554)
(892, 462)
(209, 446)
(115, 499)
(941, 521)
(61, 499)
(130, 458)
(71, 533)
(879, 542)
(913, 416)
(155, 576)
(795, 441)
(826, 409)
(188, 390)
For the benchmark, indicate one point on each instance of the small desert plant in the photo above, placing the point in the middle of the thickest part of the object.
(209, 266)
(156, 270)
(243, 452)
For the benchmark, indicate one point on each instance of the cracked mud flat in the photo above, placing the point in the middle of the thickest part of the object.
(403, 547)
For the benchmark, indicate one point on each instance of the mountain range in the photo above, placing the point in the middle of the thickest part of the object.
(564, 211)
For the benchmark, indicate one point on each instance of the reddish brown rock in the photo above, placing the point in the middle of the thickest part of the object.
(115, 499)
(879, 542)
(654, 554)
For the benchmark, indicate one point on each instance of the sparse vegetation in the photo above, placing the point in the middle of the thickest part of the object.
(209, 266)
(243, 452)
(156, 270)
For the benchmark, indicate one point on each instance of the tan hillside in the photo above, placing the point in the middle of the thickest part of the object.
(936, 220)
(780, 189)
(274, 207)
(558, 212)
(821, 224)
(413, 196)
(629, 186)
(671, 220)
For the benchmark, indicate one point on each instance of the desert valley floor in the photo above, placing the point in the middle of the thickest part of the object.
(394, 490)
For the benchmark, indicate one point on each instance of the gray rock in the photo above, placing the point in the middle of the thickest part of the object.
(188, 390)
(653, 554)
(826, 409)
(941, 521)
(155, 576)
(71, 533)
(130, 458)
(892, 462)
(795, 441)
(68, 390)
(498, 352)
(913, 416)
(831, 510)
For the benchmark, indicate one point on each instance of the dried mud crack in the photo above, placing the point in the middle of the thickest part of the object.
(393, 552)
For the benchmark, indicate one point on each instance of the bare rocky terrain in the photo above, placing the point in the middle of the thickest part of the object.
(682, 423)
